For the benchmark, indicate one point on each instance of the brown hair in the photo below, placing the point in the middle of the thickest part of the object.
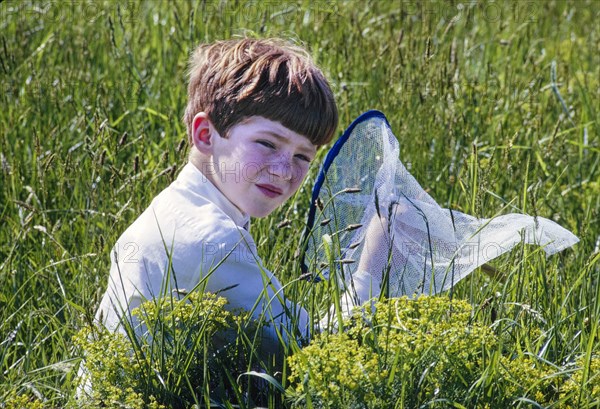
(232, 80)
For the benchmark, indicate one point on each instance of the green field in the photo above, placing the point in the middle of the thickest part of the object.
(497, 109)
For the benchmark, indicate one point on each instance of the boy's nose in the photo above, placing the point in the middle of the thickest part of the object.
(282, 168)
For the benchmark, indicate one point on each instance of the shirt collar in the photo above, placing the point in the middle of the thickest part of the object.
(194, 180)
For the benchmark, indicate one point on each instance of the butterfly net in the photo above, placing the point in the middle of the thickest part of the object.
(370, 216)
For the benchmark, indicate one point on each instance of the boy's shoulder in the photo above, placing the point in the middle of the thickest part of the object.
(189, 212)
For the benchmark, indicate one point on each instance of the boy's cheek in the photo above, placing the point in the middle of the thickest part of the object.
(301, 172)
(297, 179)
(298, 182)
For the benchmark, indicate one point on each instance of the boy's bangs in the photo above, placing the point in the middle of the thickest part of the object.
(317, 121)
(303, 104)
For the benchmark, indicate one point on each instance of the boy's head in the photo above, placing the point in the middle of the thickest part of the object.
(232, 80)
(257, 110)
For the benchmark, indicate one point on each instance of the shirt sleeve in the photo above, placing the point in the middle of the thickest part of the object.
(235, 271)
(224, 262)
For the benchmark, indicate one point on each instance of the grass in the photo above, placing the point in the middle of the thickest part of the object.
(494, 103)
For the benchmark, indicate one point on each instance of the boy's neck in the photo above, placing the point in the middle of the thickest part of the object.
(204, 165)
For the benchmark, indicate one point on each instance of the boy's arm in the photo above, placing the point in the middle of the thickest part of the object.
(241, 277)
(233, 271)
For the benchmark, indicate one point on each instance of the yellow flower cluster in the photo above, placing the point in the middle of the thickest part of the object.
(590, 377)
(339, 367)
(178, 358)
(23, 402)
(112, 367)
(431, 352)
(400, 350)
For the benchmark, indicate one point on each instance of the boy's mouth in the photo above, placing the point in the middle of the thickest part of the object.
(269, 190)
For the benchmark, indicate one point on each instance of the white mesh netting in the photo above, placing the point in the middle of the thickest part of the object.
(377, 219)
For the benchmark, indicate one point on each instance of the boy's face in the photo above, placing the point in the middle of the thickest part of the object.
(259, 166)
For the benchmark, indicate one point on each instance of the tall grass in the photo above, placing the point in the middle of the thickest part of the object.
(92, 95)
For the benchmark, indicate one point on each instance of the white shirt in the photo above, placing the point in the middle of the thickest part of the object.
(195, 227)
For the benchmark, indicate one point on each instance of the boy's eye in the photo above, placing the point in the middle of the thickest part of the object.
(266, 143)
(303, 158)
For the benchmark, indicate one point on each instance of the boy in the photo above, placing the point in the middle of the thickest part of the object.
(257, 111)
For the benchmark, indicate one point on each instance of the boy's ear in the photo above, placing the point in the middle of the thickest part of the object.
(203, 133)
